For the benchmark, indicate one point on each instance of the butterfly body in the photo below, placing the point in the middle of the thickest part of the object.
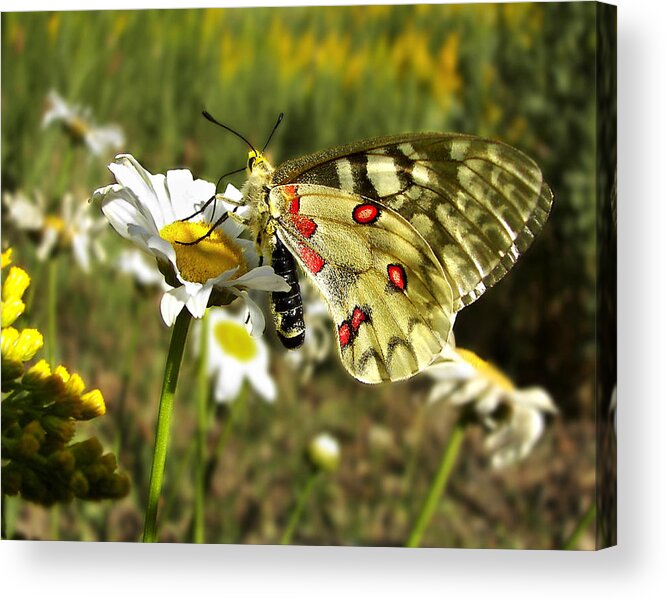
(398, 234)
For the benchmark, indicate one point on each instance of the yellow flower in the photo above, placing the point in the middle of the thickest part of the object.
(93, 405)
(65, 391)
(13, 288)
(20, 346)
(11, 310)
(7, 258)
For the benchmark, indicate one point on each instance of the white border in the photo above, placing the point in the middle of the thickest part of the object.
(635, 569)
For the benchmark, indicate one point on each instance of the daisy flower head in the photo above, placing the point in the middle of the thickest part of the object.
(78, 123)
(234, 356)
(164, 216)
(73, 227)
(514, 418)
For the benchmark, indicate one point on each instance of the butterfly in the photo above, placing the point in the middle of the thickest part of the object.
(398, 234)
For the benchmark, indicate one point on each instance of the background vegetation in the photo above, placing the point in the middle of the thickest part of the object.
(522, 73)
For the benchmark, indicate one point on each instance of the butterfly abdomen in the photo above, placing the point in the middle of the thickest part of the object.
(287, 307)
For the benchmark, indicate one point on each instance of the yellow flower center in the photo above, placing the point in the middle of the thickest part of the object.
(78, 128)
(487, 369)
(235, 341)
(206, 259)
(54, 222)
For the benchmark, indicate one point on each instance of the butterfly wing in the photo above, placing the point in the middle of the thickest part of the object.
(479, 203)
(387, 293)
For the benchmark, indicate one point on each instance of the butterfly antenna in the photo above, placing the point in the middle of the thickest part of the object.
(279, 120)
(213, 197)
(212, 119)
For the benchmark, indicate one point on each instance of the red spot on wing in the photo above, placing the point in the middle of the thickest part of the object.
(305, 225)
(291, 193)
(345, 334)
(312, 260)
(397, 276)
(348, 329)
(365, 214)
(358, 316)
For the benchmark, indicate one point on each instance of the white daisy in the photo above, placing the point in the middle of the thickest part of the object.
(78, 123)
(73, 228)
(152, 211)
(513, 417)
(234, 356)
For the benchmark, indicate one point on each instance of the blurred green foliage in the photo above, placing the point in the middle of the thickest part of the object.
(522, 73)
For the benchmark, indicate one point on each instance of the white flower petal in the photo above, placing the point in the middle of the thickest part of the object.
(48, 242)
(257, 322)
(172, 303)
(263, 278)
(197, 302)
(228, 384)
(24, 213)
(263, 383)
(80, 245)
(99, 139)
(187, 195)
(119, 208)
(233, 193)
(150, 190)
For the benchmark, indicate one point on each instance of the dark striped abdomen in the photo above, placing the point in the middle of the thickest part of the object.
(287, 307)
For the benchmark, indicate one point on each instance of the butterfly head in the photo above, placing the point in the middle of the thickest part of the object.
(257, 164)
(256, 161)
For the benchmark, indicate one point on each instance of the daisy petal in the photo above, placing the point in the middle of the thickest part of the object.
(172, 303)
(263, 278)
(197, 302)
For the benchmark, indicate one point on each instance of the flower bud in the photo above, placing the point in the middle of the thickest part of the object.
(15, 284)
(7, 258)
(27, 445)
(87, 451)
(11, 310)
(62, 461)
(78, 484)
(20, 346)
(324, 452)
(62, 429)
(36, 375)
(92, 404)
(11, 480)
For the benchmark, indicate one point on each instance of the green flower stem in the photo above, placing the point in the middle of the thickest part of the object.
(235, 409)
(295, 516)
(51, 328)
(127, 370)
(30, 294)
(438, 485)
(52, 310)
(583, 524)
(202, 429)
(171, 369)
